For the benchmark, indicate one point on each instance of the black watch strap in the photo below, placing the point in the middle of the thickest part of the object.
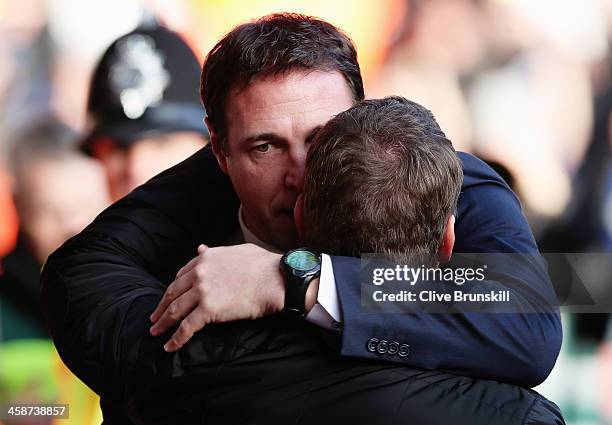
(295, 295)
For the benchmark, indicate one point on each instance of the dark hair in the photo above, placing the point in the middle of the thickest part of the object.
(380, 177)
(272, 45)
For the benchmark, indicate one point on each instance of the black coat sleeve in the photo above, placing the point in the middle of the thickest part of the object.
(120, 265)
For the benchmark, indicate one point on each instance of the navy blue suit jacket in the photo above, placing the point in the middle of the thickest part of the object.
(510, 347)
(101, 286)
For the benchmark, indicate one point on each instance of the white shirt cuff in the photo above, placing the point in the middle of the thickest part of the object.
(327, 312)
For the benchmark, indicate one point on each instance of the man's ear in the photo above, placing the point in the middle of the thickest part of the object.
(215, 142)
(298, 217)
(448, 240)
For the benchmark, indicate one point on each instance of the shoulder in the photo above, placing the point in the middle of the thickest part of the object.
(476, 172)
(489, 214)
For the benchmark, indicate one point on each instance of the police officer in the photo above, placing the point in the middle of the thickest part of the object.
(144, 109)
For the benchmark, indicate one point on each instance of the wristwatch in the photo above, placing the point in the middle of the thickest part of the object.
(300, 266)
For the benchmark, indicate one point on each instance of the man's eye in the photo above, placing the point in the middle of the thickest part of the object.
(263, 148)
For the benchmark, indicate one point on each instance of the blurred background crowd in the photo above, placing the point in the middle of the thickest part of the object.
(524, 84)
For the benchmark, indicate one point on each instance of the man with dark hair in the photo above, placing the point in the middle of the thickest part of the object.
(276, 47)
(382, 181)
(291, 75)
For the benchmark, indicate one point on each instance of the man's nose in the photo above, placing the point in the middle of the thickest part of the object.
(294, 178)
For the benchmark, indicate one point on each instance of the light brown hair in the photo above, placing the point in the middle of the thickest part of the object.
(380, 177)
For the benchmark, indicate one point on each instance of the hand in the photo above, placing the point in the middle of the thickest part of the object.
(220, 285)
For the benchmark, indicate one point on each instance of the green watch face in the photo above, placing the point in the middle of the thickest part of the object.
(302, 260)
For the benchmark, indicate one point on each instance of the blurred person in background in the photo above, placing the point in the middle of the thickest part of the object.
(539, 103)
(439, 43)
(57, 192)
(144, 108)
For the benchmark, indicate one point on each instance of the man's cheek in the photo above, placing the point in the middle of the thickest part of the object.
(248, 169)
